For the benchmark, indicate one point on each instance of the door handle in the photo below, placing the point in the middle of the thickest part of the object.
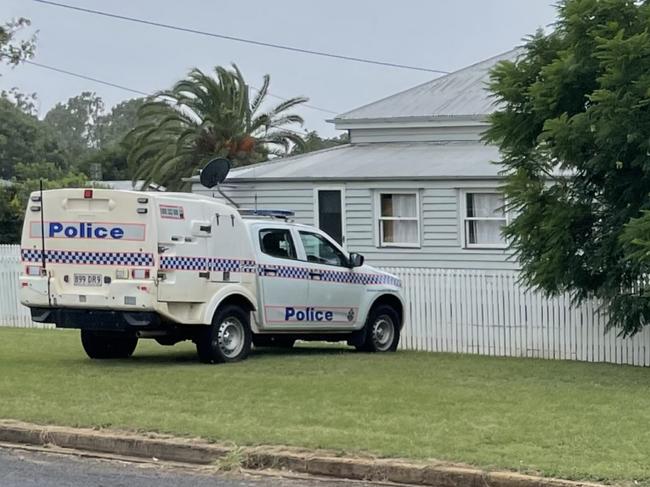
(314, 275)
(269, 271)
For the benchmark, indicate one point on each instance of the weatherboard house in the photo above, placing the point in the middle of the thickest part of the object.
(416, 191)
(415, 187)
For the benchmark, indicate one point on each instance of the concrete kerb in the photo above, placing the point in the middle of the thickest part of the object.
(200, 452)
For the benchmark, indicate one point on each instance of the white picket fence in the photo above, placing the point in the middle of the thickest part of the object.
(12, 313)
(490, 313)
(458, 311)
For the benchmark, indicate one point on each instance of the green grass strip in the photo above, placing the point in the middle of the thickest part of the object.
(566, 419)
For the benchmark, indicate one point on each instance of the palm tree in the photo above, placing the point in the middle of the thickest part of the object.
(203, 117)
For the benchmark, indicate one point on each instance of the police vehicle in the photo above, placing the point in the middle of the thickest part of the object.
(125, 265)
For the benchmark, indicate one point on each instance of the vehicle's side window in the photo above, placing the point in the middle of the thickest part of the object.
(320, 251)
(277, 242)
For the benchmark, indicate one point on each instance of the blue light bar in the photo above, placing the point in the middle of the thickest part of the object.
(269, 213)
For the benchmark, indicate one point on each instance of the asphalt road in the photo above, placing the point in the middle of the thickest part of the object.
(19, 468)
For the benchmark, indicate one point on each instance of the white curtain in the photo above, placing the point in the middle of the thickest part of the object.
(485, 205)
(485, 232)
(399, 206)
(404, 205)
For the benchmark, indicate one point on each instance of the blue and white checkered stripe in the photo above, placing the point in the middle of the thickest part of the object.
(134, 259)
(181, 263)
(232, 265)
(287, 272)
(359, 278)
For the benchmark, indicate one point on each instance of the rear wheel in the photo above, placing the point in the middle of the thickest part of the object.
(108, 344)
(382, 330)
(227, 339)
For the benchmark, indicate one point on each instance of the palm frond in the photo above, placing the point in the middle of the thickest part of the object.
(207, 115)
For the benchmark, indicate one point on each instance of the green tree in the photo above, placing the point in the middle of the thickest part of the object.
(109, 160)
(14, 196)
(313, 142)
(14, 50)
(10, 224)
(107, 163)
(25, 102)
(573, 126)
(202, 117)
(113, 126)
(75, 124)
(25, 139)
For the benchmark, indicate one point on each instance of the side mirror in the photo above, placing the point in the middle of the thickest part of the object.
(356, 260)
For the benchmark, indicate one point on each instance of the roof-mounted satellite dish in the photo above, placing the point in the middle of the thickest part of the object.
(214, 172)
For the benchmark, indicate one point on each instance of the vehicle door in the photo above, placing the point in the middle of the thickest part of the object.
(283, 278)
(334, 289)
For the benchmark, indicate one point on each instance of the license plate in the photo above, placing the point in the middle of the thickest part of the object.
(89, 280)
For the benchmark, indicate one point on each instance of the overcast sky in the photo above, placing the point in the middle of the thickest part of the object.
(437, 34)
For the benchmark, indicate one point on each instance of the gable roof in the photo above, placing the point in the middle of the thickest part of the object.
(380, 161)
(459, 94)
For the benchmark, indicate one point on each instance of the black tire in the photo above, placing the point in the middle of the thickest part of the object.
(227, 339)
(274, 341)
(382, 330)
(108, 344)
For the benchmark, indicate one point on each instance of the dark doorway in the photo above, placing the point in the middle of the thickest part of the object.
(330, 217)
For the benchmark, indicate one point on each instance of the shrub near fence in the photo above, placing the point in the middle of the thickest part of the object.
(457, 311)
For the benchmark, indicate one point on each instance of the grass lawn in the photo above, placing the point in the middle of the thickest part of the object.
(572, 420)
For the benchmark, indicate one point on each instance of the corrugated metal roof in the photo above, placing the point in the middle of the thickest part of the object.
(394, 160)
(458, 94)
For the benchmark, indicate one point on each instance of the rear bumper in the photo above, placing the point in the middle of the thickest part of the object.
(96, 319)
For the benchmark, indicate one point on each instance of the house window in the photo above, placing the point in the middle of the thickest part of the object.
(398, 219)
(484, 217)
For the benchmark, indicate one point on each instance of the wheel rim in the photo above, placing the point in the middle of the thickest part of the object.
(383, 332)
(230, 337)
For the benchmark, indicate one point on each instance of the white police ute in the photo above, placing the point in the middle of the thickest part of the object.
(125, 265)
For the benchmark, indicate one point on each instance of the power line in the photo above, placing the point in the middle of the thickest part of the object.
(83, 76)
(241, 39)
(138, 92)
(114, 85)
(306, 105)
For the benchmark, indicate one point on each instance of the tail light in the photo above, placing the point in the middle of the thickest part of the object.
(140, 273)
(34, 270)
(88, 193)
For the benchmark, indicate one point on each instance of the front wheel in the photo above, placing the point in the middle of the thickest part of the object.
(108, 344)
(227, 339)
(382, 330)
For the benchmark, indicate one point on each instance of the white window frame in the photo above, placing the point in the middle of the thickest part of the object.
(464, 219)
(379, 242)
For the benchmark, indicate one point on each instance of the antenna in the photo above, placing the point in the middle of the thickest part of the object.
(43, 259)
